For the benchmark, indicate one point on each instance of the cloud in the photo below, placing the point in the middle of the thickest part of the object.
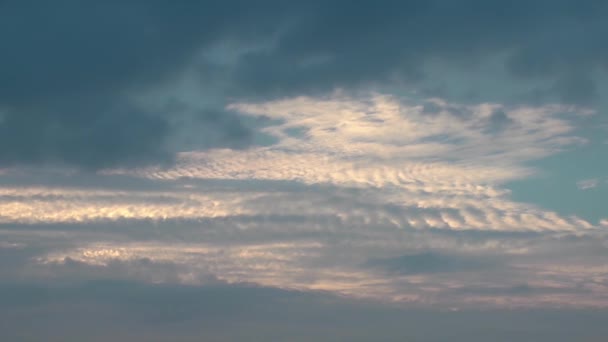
(394, 199)
(168, 171)
(587, 184)
(428, 262)
(133, 311)
(553, 41)
(73, 77)
(126, 310)
(364, 150)
(403, 157)
(356, 259)
(70, 75)
(94, 140)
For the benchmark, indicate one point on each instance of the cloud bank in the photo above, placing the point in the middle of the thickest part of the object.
(72, 73)
(212, 163)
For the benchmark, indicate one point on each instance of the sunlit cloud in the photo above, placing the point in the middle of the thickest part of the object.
(350, 181)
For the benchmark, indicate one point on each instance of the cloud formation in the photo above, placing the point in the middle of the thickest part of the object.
(211, 163)
(72, 73)
(369, 197)
(132, 311)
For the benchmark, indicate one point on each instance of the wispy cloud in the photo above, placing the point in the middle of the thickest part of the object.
(587, 184)
(348, 181)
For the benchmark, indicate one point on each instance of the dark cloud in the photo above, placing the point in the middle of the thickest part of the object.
(498, 121)
(432, 262)
(214, 127)
(518, 290)
(131, 311)
(340, 43)
(69, 68)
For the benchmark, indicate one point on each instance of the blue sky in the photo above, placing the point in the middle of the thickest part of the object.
(223, 170)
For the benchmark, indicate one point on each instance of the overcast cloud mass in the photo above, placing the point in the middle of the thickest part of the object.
(331, 170)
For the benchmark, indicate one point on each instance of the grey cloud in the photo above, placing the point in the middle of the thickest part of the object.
(132, 311)
(93, 137)
(69, 68)
(213, 128)
(498, 121)
(518, 290)
(458, 265)
(432, 262)
(140, 269)
(339, 43)
(30, 177)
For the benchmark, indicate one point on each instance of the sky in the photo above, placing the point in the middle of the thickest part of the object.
(414, 170)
